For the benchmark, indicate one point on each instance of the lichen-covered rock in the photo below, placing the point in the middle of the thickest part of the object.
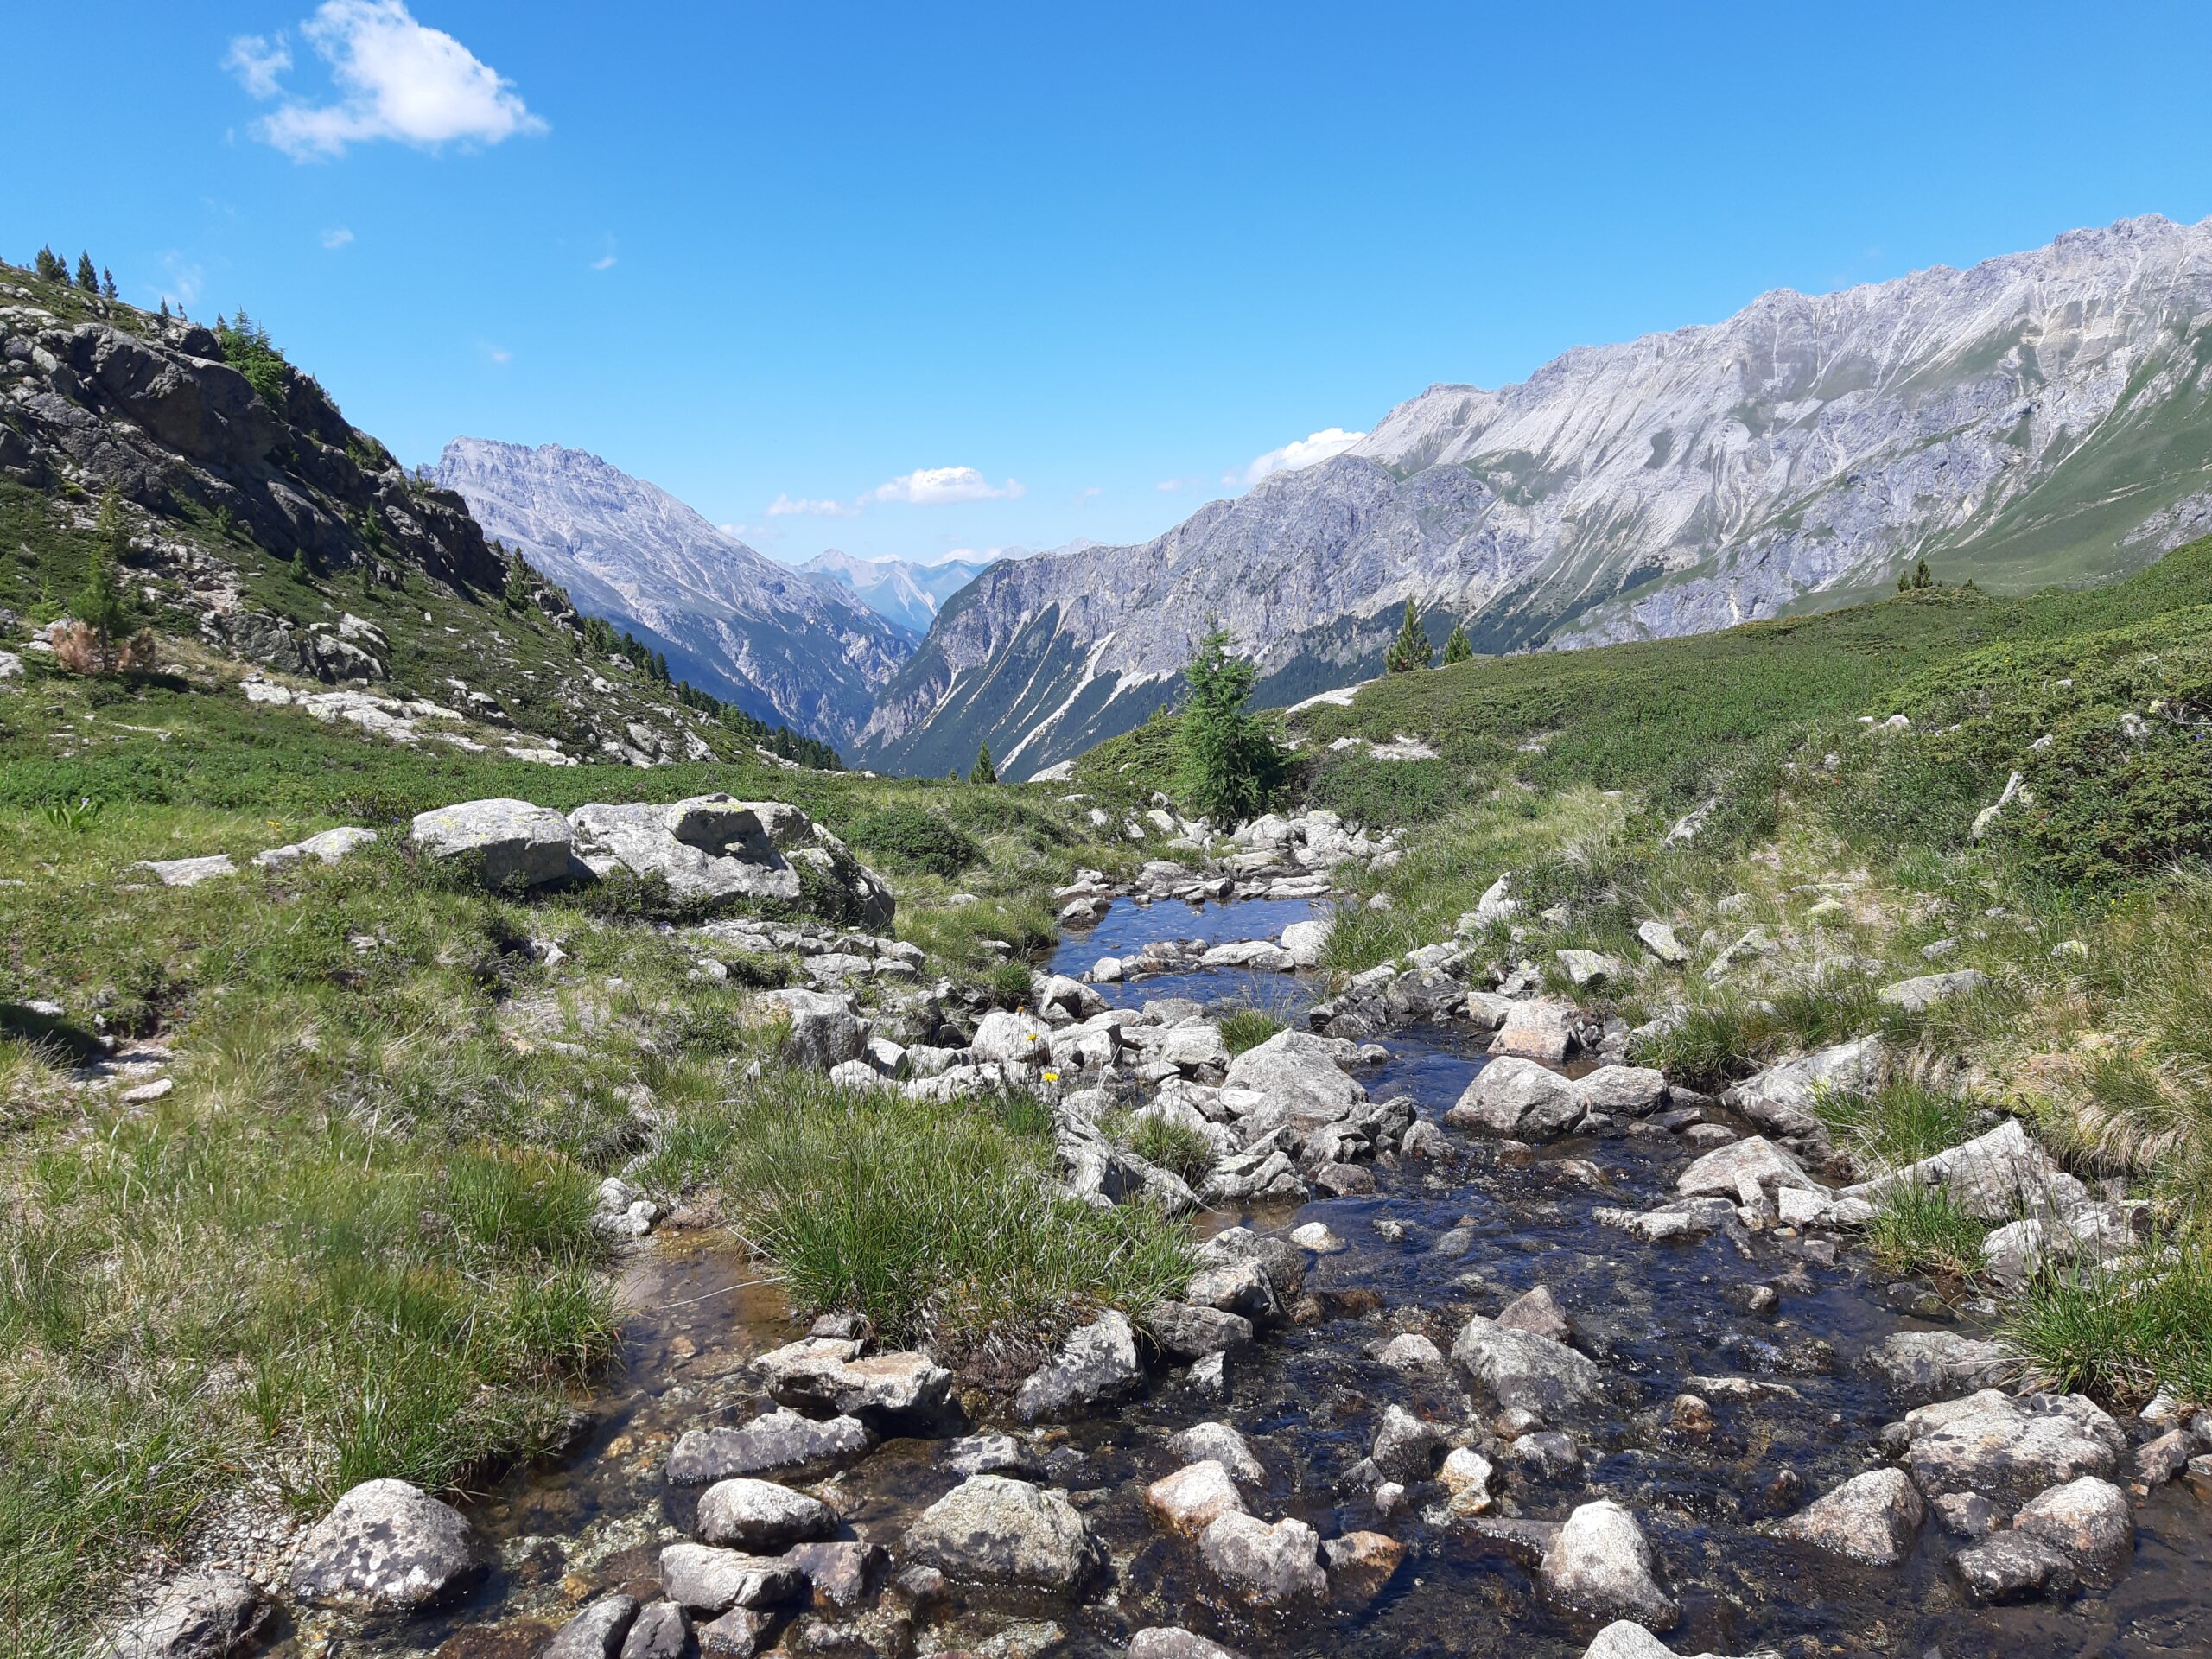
(215, 1615)
(826, 1375)
(1929, 1364)
(760, 1517)
(1221, 1444)
(1003, 1531)
(2087, 1519)
(778, 1442)
(597, 1632)
(503, 843)
(1520, 1369)
(1601, 1564)
(711, 1580)
(2009, 1447)
(386, 1546)
(1096, 1364)
(1190, 1499)
(1518, 1097)
(1271, 1565)
(1872, 1518)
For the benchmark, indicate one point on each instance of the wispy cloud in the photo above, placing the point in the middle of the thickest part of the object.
(337, 237)
(1172, 486)
(1088, 492)
(258, 61)
(605, 262)
(1300, 452)
(934, 486)
(395, 78)
(182, 279)
(783, 505)
(497, 354)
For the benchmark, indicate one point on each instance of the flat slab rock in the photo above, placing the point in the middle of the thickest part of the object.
(202, 1616)
(779, 1441)
(711, 1580)
(2009, 1448)
(826, 1374)
(386, 1546)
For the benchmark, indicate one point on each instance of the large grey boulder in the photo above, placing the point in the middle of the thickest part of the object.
(386, 1546)
(1522, 1368)
(826, 1375)
(1271, 1565)
(1186, 1331)
(663, 1630)
(1003, 1039)
(1624, 1639)
(596, 1632)
(1004, 1531)
(2009, 1566)
(1518, 1097)
(1993, 1177)
(781, 1441)
(216, 1615)
(2010, 1448)
(1872, 1518)
(1623, 1091)
(1300, 1069)
(825, 1030)
(761, 1517)
(707, 849)
(1097, 1363)
(1304, 941)
(711, 1580)
(1601, 1564)
(503, 843)
(1536, 1031)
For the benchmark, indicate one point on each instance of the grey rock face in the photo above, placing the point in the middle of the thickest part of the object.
(505, 842)
(1520, 1369)
(992, 1455)
(1172, 1642)
(1780, 1099)
(1221, 1444)
(386, 1546)
(779, 1442)
(789, 647)
(189, 871)
(1406, 1448)
(1872, 1518)
(216, 1615)
(1601, 1564)
(662, 1630)
(2014, 1566)
(1096, 1364)
(825, 1031)
(2010, 1448)
(327, 847)
(1004, 1531)
(1300, 1068)
(1514, 1096)
(1623, 1091)
(1184, 1331)
(760, 1517)
(1193, 1498)
(1271, 1565)
(2087, 1519)
(1920, 994)
(1742, 1170)
(711, 1580)
(597, 1632)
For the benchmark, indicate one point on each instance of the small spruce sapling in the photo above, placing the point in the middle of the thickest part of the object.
(1228, 762)
(101, 604)
(1458, 648)
(983, 772)
(87, 278)
(1411, 649)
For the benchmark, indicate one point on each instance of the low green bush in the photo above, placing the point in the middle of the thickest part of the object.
(1386, 792)
(913, 839)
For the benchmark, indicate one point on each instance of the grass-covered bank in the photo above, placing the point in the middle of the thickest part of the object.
(935, 1220)
(355, 1237)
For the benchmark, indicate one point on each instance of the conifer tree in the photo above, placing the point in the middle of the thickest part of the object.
(1458, 648)
(48, 265)
(99, 604)
(1411, 649)
(107, 284)
(1228, 760)
(165, 305)
(983, 772)
(87, 278)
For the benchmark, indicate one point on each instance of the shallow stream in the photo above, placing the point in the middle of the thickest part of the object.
(1457, 1236)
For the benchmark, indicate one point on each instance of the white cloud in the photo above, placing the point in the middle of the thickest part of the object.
(397, 78)
(934, 486)
(1172, 484)
(337, 237)
(605, 262)
(785, 505)
(499, 354)
(257, 61)
(1300, 452)
(1089, 492)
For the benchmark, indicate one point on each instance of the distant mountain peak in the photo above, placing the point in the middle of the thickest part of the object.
(2041, 417)
(780, 645)
(901, 591)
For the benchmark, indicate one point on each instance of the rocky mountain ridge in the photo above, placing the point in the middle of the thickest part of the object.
(780, 645)
(2039, 417)
(901, 591)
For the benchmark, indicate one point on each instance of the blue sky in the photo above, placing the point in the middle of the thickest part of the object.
(934, 279)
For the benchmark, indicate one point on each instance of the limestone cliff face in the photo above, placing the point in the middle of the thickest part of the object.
(782, 644)
(2041, 417)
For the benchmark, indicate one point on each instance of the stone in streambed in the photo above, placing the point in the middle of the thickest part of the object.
(761, 1517)
(386, 1546)
(663, 1630)
(1189, 1332)
(597, 1632)
(1221, 1443)
(1515, 1096)
(711, 1580)
(214, 1615)
(781, 1442)
(1872, 1518)
(1192, 1498)
(1523, 1370)
(1096, 1364)
(1601, 1564)
(1271, 1565)
(2010, 1447)
(1003, 1531)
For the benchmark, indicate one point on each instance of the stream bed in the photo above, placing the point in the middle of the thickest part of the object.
(1794, 1407)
